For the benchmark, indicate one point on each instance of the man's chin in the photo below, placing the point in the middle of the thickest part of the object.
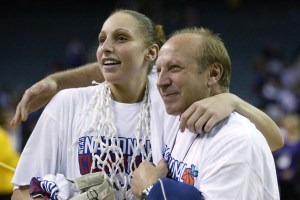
(172, 111)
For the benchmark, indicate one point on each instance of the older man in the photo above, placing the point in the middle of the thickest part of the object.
(233, 160)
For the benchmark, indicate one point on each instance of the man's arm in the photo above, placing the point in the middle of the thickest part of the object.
(166, 188)
(41, 92)
(150, 180)
(204, 114)
(79, 77)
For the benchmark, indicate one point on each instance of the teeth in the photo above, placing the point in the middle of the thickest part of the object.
(109, 62)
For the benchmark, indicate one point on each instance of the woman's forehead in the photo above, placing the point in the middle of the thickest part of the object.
(121, 20)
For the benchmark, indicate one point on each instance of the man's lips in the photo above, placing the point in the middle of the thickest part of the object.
(169, 96)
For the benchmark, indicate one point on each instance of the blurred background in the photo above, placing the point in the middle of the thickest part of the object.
(39, 37)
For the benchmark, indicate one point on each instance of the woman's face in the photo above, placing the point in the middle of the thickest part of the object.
(121, 52)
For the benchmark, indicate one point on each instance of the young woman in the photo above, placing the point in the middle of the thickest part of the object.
(107, 127)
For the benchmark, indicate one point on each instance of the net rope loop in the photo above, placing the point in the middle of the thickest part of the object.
(111, 159)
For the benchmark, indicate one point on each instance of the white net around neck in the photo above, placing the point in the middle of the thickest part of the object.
(103, 123)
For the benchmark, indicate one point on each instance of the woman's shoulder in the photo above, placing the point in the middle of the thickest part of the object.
(77, 91)
(77, 97)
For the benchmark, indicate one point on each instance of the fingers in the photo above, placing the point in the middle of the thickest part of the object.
(25, 104)
(206, 124)
(163, 166)
(34, 98)
(16, 120)
(197, 119)
(184, 123)
(136, 187)
(20, 115)
(194, 119)
(202, 115)
(143, 176)
(23, 107)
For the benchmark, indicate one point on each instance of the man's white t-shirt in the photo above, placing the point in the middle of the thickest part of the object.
(233, 161)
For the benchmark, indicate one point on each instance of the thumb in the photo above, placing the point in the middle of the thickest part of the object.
(163, 166)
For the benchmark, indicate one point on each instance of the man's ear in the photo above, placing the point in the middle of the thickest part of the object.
(152, 52)
(215, 73)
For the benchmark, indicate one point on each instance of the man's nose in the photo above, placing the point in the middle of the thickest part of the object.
(163, 79)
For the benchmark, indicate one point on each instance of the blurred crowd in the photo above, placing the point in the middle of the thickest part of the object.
(275, 85)
(277, 81)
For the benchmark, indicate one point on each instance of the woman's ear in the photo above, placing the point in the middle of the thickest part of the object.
(215, 73)
(152, 52)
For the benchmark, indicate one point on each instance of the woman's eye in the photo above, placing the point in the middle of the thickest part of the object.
(101, 40)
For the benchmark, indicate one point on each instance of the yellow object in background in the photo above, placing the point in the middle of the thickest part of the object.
(9, 158)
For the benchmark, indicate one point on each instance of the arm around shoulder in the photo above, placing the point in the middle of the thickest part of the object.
(262, 121)
(78, 77)
(39, 94)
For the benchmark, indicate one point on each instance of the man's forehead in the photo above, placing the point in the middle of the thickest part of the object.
(167, 53)
(167, 48)
(171, 45)
(179, 45)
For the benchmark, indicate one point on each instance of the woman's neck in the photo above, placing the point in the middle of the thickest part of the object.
(127, 93)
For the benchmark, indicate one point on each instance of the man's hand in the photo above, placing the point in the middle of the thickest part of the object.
(147, 174)
(34, 98)
(202, 115)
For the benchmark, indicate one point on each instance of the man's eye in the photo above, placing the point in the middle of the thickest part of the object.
(121, 38)
(175, 68)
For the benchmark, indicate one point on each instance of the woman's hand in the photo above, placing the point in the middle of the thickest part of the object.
(202, 115)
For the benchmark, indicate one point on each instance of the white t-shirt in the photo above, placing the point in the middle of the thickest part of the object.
(60, 144)
(233, 161)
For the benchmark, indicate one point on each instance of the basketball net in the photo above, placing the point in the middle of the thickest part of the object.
(111, 158)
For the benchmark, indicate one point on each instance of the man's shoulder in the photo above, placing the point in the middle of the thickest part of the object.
(236, 128)
(240, 120)
(239, 125)
(237, 139)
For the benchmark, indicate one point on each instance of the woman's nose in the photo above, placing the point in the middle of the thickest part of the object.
(107, 45)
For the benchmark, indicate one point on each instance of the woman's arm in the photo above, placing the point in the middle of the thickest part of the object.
(41, 92)
(204, 114)
(262, 122)
(200, 116)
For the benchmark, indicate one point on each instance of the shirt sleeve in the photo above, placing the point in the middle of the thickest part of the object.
(41, 153)
(166, 188)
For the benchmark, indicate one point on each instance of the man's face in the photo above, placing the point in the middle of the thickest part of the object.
(179, 81)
